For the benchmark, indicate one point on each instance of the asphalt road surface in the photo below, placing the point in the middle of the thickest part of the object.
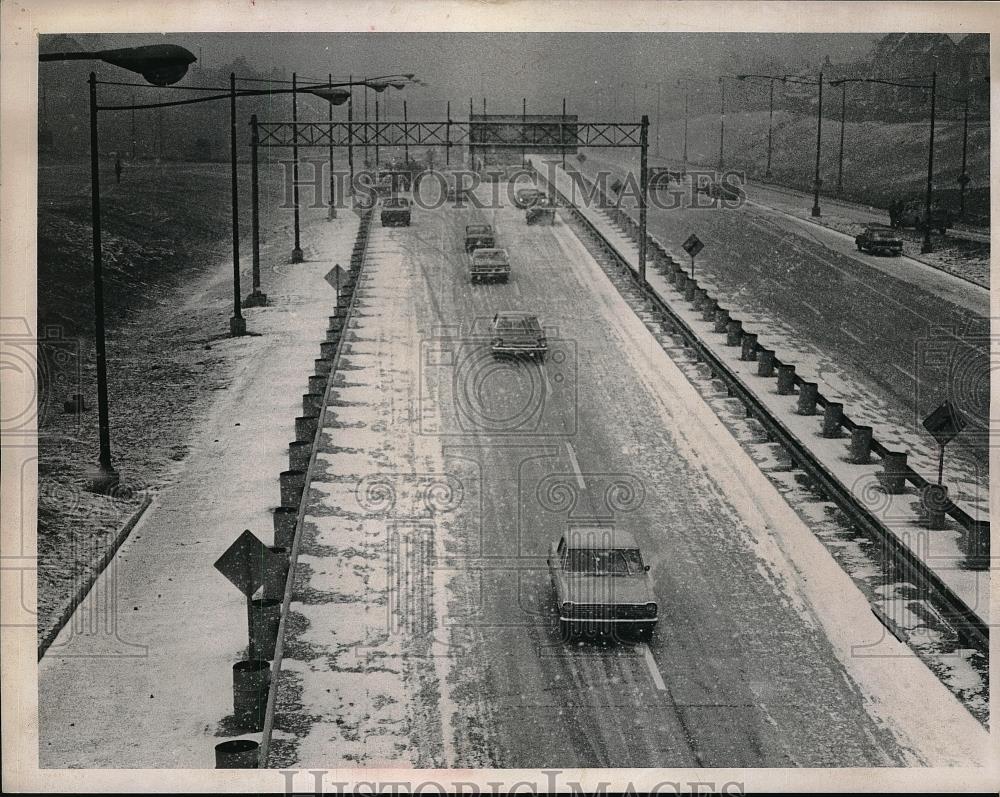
(608, 434)
(912, 336)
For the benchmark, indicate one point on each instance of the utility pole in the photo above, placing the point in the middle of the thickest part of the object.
(926, 247)
(332, 213)
(819, 142)
(297, 250)
(659, 86)
(686, 95)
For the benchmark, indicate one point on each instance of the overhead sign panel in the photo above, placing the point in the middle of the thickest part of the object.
(544, 134)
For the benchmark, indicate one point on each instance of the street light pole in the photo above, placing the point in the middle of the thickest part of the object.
(350, 137)
(256, 297)
(926, 247)
(106, 476)
(406, 136)
(237, 324)
(843, 120)
(819, 141)
(297, 250)
(376, 140)
(770, 128)
(722, 127)
(686, 95)
(332, 213)
(963, 179)
(659, 86)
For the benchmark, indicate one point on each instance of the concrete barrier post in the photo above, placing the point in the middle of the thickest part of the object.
(700, 297)
(292, 483)
(894, 472)
(748, 350)
(312, 403)
(680, 283)
(317, 383)
(721, 320)
(264, 618)
(833, 419)
(276, 576)
(861, 445)
(328, 349)
(935, 503)
(786, 379)
(808, 392)
(708, 309)
(299, 453)
(285, 518)
(251, 679)
(977, 547)
(305, 428)
(690, 288)
(765, 362)
(238, 754)
(322, 367)
(734, 333)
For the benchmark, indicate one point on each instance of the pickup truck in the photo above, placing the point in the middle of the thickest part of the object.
(489, 264)
(515, 333)
(602, 585)
(396, 212)
(875, 238)
(543, 211)
(479, 236)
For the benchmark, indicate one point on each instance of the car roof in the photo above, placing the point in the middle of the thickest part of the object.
(515, 314)
(591, 537)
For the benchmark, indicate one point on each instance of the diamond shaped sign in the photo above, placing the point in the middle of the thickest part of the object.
(335, 277)
(945, 423)
(246, 561)
(693, 245)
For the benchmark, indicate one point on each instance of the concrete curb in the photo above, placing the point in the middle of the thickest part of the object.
(120, 536)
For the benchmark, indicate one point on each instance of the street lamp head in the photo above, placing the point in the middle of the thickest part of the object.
(377, 85)
(334, 95)
(159, 64)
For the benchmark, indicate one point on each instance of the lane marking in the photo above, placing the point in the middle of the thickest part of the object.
(903, 371)
(854, 337)
(576, 466)
(817, 312)
(654, 671)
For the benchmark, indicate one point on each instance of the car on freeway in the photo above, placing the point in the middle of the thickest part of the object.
(515, 333)
(489, 264)
(479, 236)
(525, 197)
(914, 214)
(543, 211)
(602, 585)
(721, 189)
(876, 238)
(396, 212)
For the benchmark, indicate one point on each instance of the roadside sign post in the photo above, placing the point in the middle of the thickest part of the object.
(693, 246)
(944, 424)
(334, 277)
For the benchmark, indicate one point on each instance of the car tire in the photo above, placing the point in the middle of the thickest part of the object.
(860, 247)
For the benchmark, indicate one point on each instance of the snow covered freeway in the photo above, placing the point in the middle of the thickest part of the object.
(422, 629)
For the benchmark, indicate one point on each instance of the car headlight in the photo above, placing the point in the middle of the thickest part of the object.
(498, 341)
(567, 606)
(651, 608)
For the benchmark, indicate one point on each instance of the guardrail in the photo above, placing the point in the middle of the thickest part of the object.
(965, 621)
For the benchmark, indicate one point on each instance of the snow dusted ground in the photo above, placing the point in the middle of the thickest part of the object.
(141, 675)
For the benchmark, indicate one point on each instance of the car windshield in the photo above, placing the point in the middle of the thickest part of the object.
(606, 561)
(491, 255)
(478, 230)
(517, 324)
(395, 203)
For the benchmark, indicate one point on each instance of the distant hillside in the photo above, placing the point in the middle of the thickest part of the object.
(881, 161)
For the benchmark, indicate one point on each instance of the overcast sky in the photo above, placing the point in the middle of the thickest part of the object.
(586, 68)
